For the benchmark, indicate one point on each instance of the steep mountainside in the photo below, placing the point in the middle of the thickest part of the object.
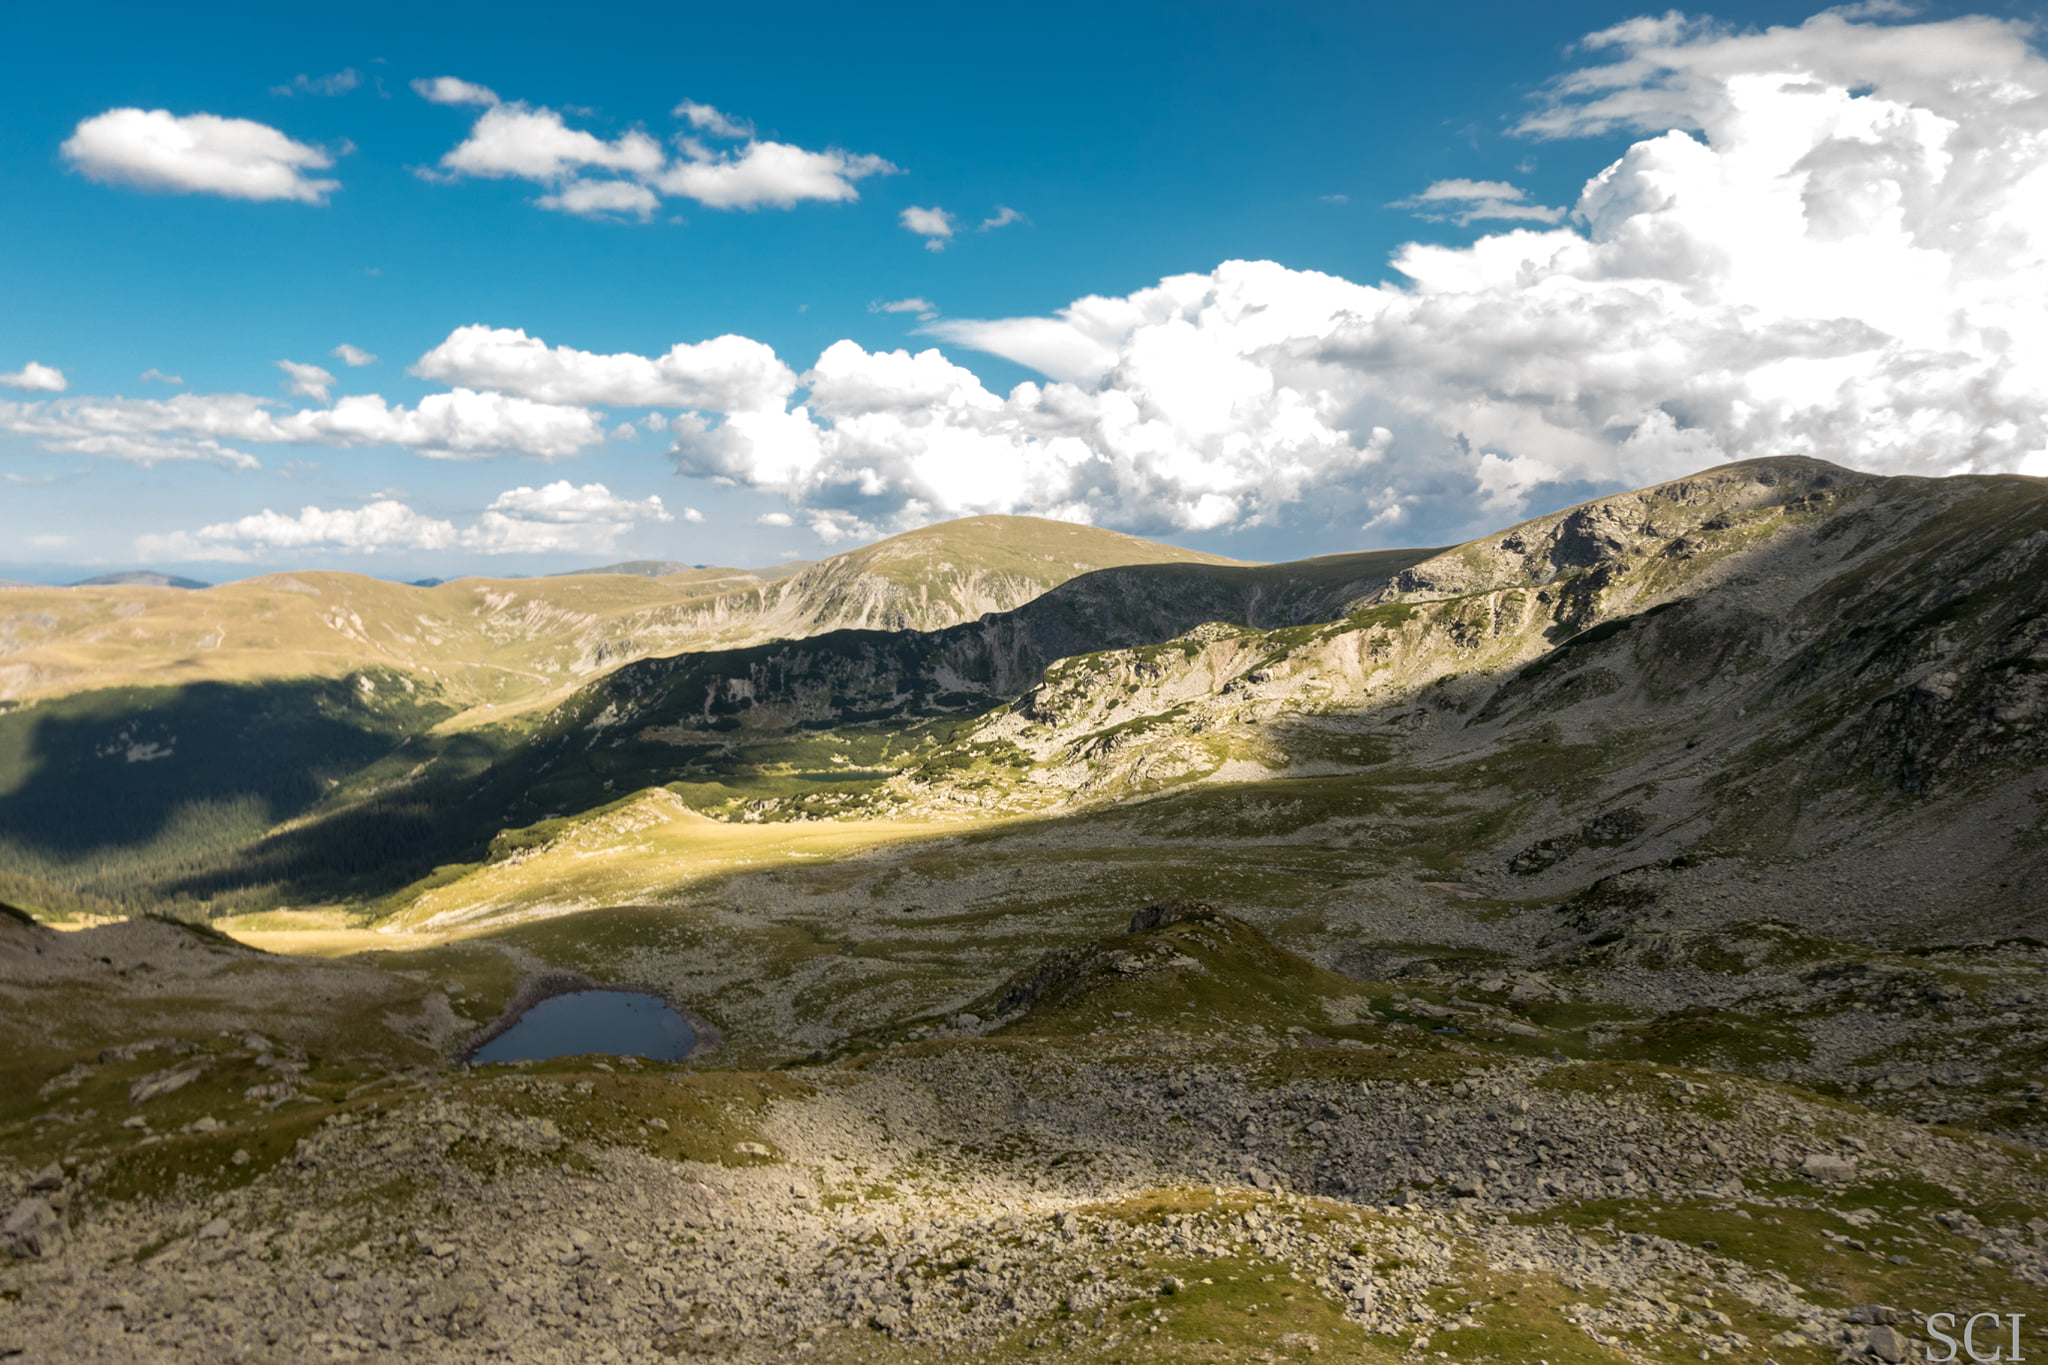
(150, 728)
(1778, 664)
(1778, 687)
(818, 722)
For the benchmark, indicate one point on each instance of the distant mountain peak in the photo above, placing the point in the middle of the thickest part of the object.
(140, 578)
(641, 568)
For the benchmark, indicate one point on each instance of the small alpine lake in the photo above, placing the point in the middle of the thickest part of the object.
(618, 1023)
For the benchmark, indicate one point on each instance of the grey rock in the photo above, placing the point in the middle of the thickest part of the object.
(32, 1229)
(1828, 1168)
(160, 1083)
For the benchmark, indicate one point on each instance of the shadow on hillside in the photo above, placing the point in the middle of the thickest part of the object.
(181, 770)
(743, 704)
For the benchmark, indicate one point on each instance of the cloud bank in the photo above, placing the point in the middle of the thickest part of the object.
(1829, 239)
(559, 518)
(462, 424)
(1835, 243)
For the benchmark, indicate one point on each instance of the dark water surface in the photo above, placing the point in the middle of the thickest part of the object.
(622, 1023)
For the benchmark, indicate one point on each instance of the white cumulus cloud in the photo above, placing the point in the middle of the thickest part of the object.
(306, 381)
(460, 425)
(453, 90)
(1469, 201)
(355, 357)
(385, 524)
(935, 225)
(769, 173)
(154, 149)
(1830, 239)
(34, 378)
(1002, 217)
(710, 121)
(152, 375)
(511, 140)
(629, 175)
(1835, 242)
(597, 198)
(558, 518)
(723, 374)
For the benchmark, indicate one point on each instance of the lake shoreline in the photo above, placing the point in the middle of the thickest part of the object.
(557, 981)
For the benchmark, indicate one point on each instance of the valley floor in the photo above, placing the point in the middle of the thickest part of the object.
(1175, 1139)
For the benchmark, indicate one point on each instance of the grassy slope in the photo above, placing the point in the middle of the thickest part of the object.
(482, 640)
(940, 576)
(498, 642)
(1766, 663)
(153, 704)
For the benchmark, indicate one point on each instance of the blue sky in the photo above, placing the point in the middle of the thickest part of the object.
(1130, 144)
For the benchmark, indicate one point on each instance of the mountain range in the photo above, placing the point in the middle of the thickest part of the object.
(1614, 938)
(1635, 702)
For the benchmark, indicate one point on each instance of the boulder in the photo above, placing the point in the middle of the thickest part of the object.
(32, 1229)
(1827, 1168)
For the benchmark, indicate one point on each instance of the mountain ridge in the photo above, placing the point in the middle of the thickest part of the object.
(1590, 707)
(493, 643)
